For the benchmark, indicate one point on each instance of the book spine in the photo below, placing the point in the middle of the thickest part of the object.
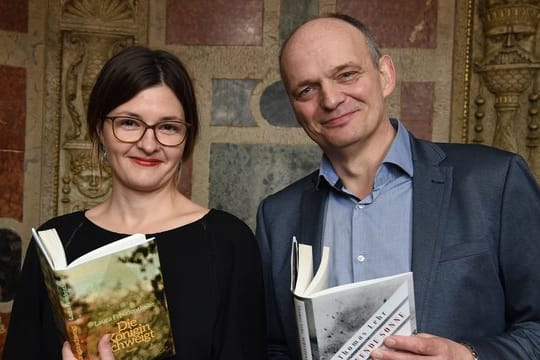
(362, 337)
(392, 325)
(74, 331)
(303, 329)
(60, 298)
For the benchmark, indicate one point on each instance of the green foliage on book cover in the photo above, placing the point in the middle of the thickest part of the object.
(122, 295)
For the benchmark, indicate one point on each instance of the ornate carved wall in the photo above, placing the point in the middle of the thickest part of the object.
(82, 35)
(497, 94)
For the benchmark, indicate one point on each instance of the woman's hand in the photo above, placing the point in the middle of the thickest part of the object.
(104, 349)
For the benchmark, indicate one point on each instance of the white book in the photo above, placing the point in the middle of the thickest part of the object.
(348, 321)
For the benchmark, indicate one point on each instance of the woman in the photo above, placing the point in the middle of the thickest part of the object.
(142, 118)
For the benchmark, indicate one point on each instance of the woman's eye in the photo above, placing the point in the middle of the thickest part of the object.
(128, 122)
(169, 128)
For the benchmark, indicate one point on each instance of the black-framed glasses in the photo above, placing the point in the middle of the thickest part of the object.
(130, 130)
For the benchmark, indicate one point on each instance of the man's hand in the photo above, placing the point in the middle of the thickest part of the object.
(421, 346)
(104, 349)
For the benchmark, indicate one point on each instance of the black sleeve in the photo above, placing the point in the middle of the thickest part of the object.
(242, 323)
(32, 333)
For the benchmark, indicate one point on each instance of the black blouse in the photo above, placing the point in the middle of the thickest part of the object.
(213, 284)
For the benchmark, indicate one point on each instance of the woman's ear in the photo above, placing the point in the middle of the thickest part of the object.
(100, 136)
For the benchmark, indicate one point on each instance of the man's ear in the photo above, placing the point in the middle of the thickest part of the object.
(388, 75)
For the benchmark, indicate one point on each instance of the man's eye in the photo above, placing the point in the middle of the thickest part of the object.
(348, 75)
(304, 92)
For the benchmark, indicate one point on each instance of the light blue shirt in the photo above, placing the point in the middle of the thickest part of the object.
(371, 237)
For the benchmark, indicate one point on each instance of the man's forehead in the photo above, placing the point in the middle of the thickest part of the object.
(320, 30)
(326, 25)
(320, 36)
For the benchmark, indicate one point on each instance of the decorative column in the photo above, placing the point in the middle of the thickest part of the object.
(83, 35)
(509, 64)
(509, 69)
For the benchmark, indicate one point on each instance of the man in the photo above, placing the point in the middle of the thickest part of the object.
(464, 218)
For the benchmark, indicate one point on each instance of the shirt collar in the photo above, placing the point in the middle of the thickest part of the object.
(399, 154)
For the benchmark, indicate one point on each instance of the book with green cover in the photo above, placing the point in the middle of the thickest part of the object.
(116, 289)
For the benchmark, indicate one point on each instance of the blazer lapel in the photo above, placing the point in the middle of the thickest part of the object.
(312, 219)
(432, 184)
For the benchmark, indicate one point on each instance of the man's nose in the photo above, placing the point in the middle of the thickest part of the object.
(331, 96)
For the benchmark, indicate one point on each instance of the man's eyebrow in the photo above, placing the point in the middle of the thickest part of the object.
(345, 66)
(304, 83)
(332, 72)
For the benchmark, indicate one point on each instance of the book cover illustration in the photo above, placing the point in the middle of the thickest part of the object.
(121, 294)
(348, 321)
(353, 322)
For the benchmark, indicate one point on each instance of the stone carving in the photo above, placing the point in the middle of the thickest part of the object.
(91, 181)
(92, 31)
(508, 69)
(104, 10)
(84, 55)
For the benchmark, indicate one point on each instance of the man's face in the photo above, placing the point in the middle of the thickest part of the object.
(336, 90)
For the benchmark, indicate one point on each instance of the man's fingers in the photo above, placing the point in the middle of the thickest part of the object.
(422, 344)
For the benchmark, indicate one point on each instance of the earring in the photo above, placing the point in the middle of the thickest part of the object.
(102, 154)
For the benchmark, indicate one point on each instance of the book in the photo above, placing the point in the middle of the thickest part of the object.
(347, 321)
(116, 289)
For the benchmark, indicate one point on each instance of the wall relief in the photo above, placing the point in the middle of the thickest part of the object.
(83, 35)
(500, 89)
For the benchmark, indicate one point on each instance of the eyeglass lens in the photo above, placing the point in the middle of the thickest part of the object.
(131, 130)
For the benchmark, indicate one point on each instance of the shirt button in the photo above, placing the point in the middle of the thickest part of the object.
(361, 258)
(360, 206)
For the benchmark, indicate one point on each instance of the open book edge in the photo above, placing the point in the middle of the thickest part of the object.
(312, 286)
(50, 244)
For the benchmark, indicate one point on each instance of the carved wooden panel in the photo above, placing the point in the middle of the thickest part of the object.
(82, 36)
(496, 85)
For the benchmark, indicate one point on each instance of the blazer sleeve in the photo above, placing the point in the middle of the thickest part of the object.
(519, 248)
(277, 348)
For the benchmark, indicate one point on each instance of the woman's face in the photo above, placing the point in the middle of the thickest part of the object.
(145, 165)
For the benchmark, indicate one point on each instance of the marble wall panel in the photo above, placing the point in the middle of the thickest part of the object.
(14, 15)
(417, 108)
(12, 140)
(242, 174)
(294, 13)
(396, 24)
(12, 107)
(276, 107)
(207, 22)
(230, 102)
(11, 183)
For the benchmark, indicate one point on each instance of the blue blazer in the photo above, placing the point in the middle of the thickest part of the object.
(475, 253)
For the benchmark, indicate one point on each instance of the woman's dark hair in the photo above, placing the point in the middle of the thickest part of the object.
(132, 70)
